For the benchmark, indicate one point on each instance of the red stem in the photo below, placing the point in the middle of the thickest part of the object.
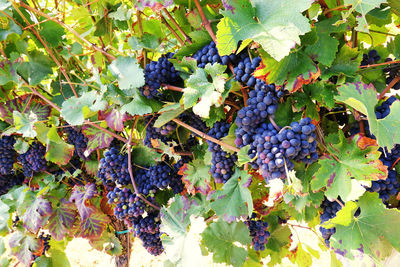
(172, 87)
(380, 64)
(205, 21)
(187, 38)
(390, 85)
(172, 30)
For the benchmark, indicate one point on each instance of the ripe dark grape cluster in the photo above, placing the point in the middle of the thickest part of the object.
(392, 71)
(33, 160)
(162, 175)
(157, 133)
(222, 161)
(258, 232)
(209, 54)
(7, 181)
(114, 168)
(262, 102)
(329, 211)
(193, 120)
(7, 154)
(244, 69)
(371, 58)
(275, 150)
(157, 73)
(384, 109)
(79, 140)
(128, 204)
(151, 242)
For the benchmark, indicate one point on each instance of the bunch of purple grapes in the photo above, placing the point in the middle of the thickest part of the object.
(244, 69)
(114, 168)
(157, 133)
(8, 181)
(79, 140)
(329, 211)
(7, 155)
(158, 72)
(222, 162)
(371, 58)
(33, 160)
(128, 204)
(384, 109)
(209, 54)
(258, 232)
(392, 71)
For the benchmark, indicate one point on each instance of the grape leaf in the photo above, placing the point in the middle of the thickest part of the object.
(58, 151)
(80, 196)
(22, 246)
(296, 69)
(4, 216)
(93, 226)
(168, 113)
(51, 32)
(277, 27)
(107, 242)
(91, 166)
(324, 50)
(220, 238)
(128, 73)
(25, 123)
(394, 46)
(36, 214)
(347, 164)
(62, 220)
(37, 69)
(235, 198)
(202, 94)
(366, 232)
(278, 245)
(362, 98)
(395, 5)
(196, 177)
(97, 139)
(144, 156)
(362, 7)
(115, 119)
(138, 106)
(346, 63)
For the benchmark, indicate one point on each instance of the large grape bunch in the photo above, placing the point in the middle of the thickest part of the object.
(222, 162)
(33, 160)
(8, 181)
(79, 140)
(114, 168)
(258, 232)
(7, 155)
(128, 204)
(158, 72)
(330, 208)
(209, 54)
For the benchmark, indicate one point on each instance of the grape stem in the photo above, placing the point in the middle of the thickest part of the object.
(172, 88)
(205, 21)
(128, 143)
(380, 64)
(205, 136)
(171, 29)
(271, 119)
(187, 38)
(390, 85)
(338, 8)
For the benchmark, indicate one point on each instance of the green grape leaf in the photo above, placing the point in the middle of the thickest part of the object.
(58, 151)
(97, 139)
(323, 92)
(346, 165)
(235, 198)
(76, 110)
(91, 166)
(278, 245)
(296, 69)
(395, 5)
(12, 27)
(37, 69)
(23, 246)
(220, 238)
(343, 217)
(107, 242)
(303, 257)
(4, 216)
(145, 156)
(25, 123)
(93, 225)
(362, 7)
(36, 214)
(346, 63)
(394, 46)
(277, 27)
(138, 106)
(304, 100)
(368, 230)
(243, 156)
(52, 33)
(168, 112)
(362, 98)
(128, 73)
(122, 13)
(62, 220)
(146, 41)
(196, 177)
(201, 94)
(324, 50)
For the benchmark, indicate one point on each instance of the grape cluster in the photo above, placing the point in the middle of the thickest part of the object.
(244, 69)
(157, 73)
(209, 54)
(127, 203)
(44, 239)
(194, 120)
(262, 102)
(276, 149)
(222, 162)
(157, 133)
(114, 168)
(372, 58)
(329, 211)
(258, 232)
(79, 140)
(7, 154)
(392, 71)
(7, 181)
(33, 160)
(384, 109)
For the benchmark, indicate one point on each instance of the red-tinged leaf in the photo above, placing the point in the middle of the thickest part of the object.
(22, 245)
(36, 214)
(36, 105)
(93, 225)
(115, 120)
(365, 142)
(81, 196)
(97, 139)
(62, 220)
(91, 167)
(59, 153)
(105, 207)
(196, 177)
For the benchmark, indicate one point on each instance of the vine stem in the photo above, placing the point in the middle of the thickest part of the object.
(172, 87)
(205, 21)
(187, 38)
(128, 143)
(271, 119)
(380, 64)
(47, 49)
(338, 8)
(171, 29)
(390, 85)
(69, 29)
(205, 136)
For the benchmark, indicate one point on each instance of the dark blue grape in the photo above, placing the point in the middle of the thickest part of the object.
(258, 232)
(7, 155)
(371, 58)
(8, 181)
(329, 211)
(33, 160)
(79, 141)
